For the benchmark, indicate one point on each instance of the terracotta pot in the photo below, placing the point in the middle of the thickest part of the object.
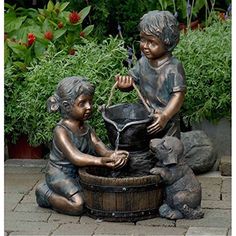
(193, 25)
(22, 150)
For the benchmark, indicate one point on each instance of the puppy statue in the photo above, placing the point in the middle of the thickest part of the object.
(182, 189)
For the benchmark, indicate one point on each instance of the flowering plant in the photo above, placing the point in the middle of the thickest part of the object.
(28, 32)
(25, 108)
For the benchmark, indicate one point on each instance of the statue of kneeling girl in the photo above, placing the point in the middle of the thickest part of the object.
(74, 145)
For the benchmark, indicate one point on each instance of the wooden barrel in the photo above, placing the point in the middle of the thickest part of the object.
(121, 199)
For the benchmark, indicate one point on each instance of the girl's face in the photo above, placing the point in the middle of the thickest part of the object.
(82, 108)
(151, 46)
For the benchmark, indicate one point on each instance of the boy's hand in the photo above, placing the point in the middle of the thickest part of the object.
(160, 121)
(124, 82)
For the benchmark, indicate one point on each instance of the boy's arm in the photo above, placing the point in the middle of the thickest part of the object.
(124, 83)
(174, 104)
(171, 109)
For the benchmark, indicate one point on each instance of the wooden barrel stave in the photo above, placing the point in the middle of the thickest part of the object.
(127, 199)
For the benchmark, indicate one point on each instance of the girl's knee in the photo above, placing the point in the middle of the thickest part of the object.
(77, 203)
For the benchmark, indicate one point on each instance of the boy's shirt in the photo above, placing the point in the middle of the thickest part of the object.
(157, 84)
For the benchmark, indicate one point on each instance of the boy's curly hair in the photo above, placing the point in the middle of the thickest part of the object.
(163, 25)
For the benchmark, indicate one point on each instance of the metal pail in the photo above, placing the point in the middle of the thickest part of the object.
(130, 122)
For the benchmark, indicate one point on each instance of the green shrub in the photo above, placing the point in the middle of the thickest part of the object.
(99, 63)
(13, 87)
(105, 15)
(28, 32)
(206, 56)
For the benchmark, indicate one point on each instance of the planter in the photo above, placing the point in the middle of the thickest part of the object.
(22, 150)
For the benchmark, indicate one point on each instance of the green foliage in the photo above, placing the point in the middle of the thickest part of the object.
(29, 31)
(106, 15)
(13, 87)
(99, 63)
(206, 56)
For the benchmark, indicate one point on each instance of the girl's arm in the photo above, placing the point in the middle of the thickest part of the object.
(99, 146)
(121, 156)
(66, 146)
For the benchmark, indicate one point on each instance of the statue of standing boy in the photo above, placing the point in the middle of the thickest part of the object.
(159, 75)
(74, 145)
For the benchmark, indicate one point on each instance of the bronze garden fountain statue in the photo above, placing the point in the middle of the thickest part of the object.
(128, 191)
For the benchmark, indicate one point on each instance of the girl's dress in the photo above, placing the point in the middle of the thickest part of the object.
(61, 175)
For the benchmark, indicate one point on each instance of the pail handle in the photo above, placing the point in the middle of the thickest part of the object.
(138, 92)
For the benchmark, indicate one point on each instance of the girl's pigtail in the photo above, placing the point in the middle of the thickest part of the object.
(53, 103)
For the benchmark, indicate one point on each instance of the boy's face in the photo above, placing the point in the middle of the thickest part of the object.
(151, 46)
(82, 108)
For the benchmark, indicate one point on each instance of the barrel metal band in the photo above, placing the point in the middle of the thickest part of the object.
(122, 215)
(118, 189)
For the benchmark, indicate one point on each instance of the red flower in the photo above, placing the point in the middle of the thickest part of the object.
(74, 17)
(82, 34)
(60, 25)
(48, 35)
(31, 39)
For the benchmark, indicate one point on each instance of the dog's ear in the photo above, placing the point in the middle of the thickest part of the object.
(154, 143)
(172, 158)
(175, 150)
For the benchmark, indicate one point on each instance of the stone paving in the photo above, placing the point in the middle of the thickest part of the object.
(22, 216)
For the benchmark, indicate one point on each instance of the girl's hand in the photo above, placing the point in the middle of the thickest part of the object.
(160, 121)
(124, 82)
(116, 160)
(121, 158)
